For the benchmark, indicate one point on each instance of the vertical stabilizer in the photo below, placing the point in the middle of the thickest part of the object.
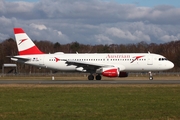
(24, 43)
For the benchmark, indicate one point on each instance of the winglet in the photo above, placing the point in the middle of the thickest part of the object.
(24, 43)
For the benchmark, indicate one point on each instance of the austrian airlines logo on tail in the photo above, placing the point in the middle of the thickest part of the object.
(21, 41)
(136, 58)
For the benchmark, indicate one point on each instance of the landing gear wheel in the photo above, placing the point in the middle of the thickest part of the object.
(98, 77)
(90, 77)
(150, 77)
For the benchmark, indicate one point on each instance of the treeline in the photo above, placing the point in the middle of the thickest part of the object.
(170, 50)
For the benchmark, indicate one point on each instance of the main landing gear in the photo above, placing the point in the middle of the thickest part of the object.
(91, 77)
(150, 76)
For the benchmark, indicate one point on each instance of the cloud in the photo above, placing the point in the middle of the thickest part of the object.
(4, 36)
(101, 39)
(38, 26)
(135, 36)
(168, 38)
(90, 22)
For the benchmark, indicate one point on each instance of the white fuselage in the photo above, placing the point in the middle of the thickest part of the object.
(125, 61)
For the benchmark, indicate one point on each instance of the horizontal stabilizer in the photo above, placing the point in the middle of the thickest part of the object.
(19, 58)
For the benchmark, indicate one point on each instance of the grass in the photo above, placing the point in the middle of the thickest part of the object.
(90, 102)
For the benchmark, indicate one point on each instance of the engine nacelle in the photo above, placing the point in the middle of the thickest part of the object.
(112, 72)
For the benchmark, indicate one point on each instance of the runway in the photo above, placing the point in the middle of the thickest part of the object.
(89, 82)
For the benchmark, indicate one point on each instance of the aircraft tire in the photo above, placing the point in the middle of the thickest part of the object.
(90, 77)
(151, 78)
(98, 77)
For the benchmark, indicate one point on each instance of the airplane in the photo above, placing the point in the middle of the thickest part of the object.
(96, 64)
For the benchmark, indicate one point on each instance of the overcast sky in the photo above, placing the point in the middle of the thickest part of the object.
(92, 21)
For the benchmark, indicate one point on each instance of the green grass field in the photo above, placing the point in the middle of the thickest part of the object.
(90, 102)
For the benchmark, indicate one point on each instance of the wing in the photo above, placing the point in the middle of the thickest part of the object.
(88, 66)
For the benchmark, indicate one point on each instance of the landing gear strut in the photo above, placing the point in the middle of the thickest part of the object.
(150, 76)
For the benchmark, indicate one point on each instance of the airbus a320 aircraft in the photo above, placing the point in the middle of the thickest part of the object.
(104, 64)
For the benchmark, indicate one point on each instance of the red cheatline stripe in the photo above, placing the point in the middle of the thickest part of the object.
(31, 51)
(18, 30)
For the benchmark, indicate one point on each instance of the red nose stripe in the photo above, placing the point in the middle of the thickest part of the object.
(30, 51)
(18, 31)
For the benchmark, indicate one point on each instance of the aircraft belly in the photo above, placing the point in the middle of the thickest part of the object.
(60, 66)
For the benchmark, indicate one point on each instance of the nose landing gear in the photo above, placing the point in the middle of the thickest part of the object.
(150, 76)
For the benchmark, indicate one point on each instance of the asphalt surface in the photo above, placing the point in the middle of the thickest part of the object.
(89, 82)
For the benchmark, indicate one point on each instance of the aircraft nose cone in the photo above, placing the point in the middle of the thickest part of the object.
(171, 65)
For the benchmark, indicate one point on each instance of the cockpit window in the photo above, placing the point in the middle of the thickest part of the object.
(162, 59)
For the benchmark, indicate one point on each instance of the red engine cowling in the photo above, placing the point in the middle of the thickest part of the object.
(113, 72)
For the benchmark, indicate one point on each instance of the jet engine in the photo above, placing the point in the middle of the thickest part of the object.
(112, 72)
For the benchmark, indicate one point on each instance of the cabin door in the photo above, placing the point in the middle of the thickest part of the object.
(150, 60)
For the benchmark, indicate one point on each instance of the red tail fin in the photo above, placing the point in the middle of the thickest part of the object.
(24, 43)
